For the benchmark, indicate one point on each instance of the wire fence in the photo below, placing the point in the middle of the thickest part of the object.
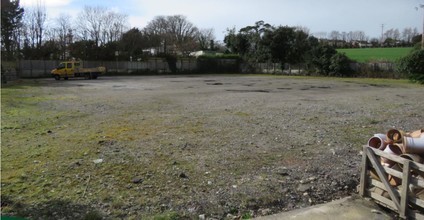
(43, 68)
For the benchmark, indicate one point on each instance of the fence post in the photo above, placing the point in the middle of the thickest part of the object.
(364, 172)
(45, 68)
(406, 176)
(394, 195)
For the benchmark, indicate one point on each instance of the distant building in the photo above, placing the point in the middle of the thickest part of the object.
(151, 51)
(364, 44)
(203, 53)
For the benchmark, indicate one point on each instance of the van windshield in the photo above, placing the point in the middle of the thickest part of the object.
(61, 66)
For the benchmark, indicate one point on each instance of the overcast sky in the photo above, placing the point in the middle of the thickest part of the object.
(317, 15)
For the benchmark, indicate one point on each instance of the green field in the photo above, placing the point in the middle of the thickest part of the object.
(376, 54)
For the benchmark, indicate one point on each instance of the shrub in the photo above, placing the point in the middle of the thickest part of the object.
(172, 62)
(218, 64)
(340, 65)
(320, 58)
(413, 65)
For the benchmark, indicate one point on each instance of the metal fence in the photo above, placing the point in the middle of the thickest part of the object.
(42, 68)
(8, 71)
(35, 68)
(381, 69)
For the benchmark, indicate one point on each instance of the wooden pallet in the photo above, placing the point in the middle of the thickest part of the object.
(397, 198)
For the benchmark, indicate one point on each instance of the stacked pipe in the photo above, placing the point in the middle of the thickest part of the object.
(408, 145)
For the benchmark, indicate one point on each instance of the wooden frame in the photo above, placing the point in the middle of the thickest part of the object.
(400, 198)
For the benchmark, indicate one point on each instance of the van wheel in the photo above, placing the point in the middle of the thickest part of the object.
(56, 77)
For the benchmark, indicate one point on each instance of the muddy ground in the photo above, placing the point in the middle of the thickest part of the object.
(182, 146)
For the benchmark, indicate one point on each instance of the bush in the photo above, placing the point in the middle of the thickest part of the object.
(172, 62)
(413, 65)
(218, 64)
(340, 65)
(320, 58)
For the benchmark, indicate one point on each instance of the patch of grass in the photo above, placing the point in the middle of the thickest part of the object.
(246, 215)
(165, 216)
(93, 215)
(375, 81)
(242, 114)
(376, 54)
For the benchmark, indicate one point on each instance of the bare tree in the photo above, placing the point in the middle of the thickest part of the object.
(100, 25)
(396, 34)
(90, 22)
(357, 36)
(407, 35)
(334, 35)
(206, 38)
(343, 36)
(320, 35)
(182, 32)
(35, 24)
(173, 33)
(157, 33)
(63, 32)
(392, 36)
(158, 26)
(361, 36)
(415, 32)
(114, 26)
(350, 36)
(389, 34)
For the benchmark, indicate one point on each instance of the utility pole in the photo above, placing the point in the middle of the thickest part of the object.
(422, 36)
(382, 34)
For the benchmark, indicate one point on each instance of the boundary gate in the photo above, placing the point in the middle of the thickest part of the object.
(402, 199)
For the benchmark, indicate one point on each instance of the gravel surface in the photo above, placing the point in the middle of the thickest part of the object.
(213, 146)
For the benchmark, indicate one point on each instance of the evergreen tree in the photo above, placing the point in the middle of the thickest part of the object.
(11, 17)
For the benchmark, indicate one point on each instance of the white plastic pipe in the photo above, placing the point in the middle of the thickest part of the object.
(414, 145)
(378, 141)
(394, 149)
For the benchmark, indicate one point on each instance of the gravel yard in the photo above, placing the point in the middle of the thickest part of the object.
(174, 147)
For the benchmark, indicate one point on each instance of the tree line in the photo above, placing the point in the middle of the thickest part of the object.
(98, 33)
(354, 39)
(264, 43)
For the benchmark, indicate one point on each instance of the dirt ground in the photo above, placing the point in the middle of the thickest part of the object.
(180, 147)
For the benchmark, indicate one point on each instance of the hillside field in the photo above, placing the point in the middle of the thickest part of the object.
(376, 54)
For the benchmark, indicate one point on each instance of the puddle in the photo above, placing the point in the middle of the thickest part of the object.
(256, 90)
